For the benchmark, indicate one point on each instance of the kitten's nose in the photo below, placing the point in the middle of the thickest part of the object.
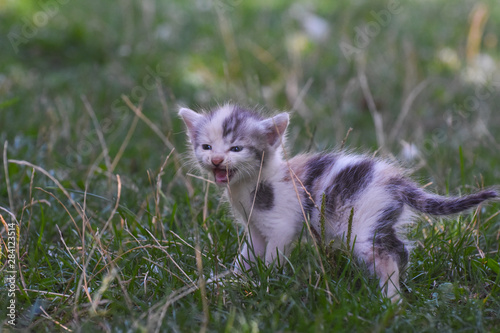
(217, 160)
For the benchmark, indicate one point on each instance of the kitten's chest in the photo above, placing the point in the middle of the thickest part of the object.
(265, 203)
(248, 204)
(241, 204)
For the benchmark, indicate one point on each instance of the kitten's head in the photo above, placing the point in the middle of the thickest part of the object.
(232, 143)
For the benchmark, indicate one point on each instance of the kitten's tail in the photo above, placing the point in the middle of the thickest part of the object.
(433, 204)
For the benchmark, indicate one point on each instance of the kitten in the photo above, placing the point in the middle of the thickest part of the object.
(272, 195)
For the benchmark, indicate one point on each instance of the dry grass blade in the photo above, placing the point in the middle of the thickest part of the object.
(201, 178)
(37, 202)
(235, 263)
(104, 286)
(349, 229)
(205, 205)
(298, 104)
(115, 208)
(406, 109)
(98, 244)
(184, 242)
(344, 141)
(18, 236)
(115, 259)
(32, 179)
(163, 101)
(158, 189)
(322, 220)
(125, 143)
(65, 208)
(58, 184)
(256, 187)
(8, 212)
(266, 57)
(148, 122)
(43, 293)
(67, 248)
(203, 290)
(162, 248)
(230, 44)
(98, 130)
(478, 18)
(164, 268)
(7, 179)
(6, 227)
(155, 318)
(377, 117)
(483, 128)
(158, 132)
(47, 316)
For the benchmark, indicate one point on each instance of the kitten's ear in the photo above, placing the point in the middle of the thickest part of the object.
(275, 128)
(191, 119)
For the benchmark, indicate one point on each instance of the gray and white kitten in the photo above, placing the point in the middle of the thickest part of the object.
(272, 195)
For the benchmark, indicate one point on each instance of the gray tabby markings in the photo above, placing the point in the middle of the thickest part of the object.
(316, 166)
(349, 182)
(264, 200)
(428, 203)
(385, 236)
(233, 124)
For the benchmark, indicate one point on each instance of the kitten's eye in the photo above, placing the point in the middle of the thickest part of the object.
(236, 149)
(206, 147)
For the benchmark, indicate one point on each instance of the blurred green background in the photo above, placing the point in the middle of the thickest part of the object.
(415, 80)
(277, 54)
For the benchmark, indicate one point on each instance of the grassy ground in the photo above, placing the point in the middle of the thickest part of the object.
(113, 235)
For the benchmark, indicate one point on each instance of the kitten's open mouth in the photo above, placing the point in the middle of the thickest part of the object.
(222, 175)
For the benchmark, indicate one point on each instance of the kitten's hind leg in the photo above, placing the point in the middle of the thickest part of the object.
(389, 252)
(383, 265)
(255, 246)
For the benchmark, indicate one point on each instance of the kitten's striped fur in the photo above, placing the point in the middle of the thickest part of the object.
(271, 195)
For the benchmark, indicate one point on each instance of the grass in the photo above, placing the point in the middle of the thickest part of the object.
(113, 235)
